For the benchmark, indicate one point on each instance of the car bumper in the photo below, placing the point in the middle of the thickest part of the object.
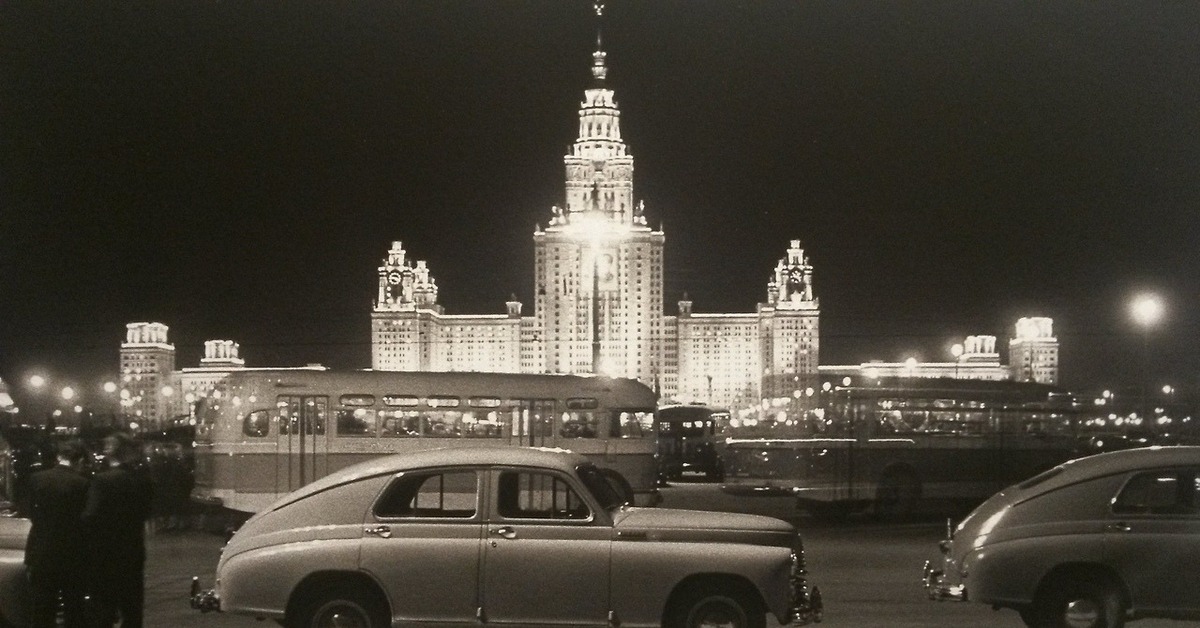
(203, 600)
(939, 588)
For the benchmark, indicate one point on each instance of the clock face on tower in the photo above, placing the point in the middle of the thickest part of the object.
(796, 278)
(393, 278)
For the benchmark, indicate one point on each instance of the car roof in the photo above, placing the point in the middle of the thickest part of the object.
(496, 455)
(1123, 461)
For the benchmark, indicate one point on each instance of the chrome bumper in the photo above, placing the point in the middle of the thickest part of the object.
(806, 604)
(203, 601)
(809, 609)
(936, 587)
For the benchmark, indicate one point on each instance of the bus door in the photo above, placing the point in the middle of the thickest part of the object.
(534, 426)
(303, 441)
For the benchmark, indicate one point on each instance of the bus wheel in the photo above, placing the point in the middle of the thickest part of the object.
(897, 494)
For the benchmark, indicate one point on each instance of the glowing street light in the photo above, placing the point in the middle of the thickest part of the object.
(956, 350)
(1147, 310)
(37, 382)
(68, 393)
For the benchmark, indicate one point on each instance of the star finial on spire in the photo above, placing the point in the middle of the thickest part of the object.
(598, 69)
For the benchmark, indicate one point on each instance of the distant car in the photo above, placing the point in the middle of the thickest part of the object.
(1094, 542)
(503, 535)
(14, 599)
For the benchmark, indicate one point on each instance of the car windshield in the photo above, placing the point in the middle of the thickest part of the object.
(600, 485)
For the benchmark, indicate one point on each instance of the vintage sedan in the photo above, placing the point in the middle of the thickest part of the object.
(14, 607)
(503, 536)
(1094, 542)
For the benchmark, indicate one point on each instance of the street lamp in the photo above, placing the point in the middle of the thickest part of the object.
(956, 350)
(1146, 309)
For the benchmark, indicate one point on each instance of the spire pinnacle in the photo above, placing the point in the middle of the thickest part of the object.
(599, 71)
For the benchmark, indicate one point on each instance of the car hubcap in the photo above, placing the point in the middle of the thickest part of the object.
(1082, 614)
(341, 616)
(716, 614)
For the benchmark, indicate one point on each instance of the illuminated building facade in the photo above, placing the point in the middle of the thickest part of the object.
(1033, 351)
(598, 297)
(147, 371)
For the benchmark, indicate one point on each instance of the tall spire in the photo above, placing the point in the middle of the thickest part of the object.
(599, 71)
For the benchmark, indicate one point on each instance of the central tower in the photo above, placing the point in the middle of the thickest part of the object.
(598, 297)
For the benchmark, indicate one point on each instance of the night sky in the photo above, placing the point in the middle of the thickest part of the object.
(237, 170)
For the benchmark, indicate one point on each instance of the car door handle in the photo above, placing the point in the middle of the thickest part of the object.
(380, 531)
(1120, 526)
(505, 531)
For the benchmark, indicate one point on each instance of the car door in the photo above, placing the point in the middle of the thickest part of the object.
(1152, 538)
(422, 542)
(546, 553)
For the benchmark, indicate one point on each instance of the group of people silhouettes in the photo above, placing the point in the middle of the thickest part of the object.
(86, 541)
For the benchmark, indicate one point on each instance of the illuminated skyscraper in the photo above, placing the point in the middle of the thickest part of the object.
(598, 297)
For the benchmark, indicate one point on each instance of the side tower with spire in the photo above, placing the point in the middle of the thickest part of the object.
(598, 293)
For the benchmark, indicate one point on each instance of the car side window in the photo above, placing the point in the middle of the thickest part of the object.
(1164, 492)
(532, 495)
(439, 494)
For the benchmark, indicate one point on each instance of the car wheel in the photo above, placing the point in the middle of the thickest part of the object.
(713, 608)
(343, 607)
(1078, 603)
(897, 495)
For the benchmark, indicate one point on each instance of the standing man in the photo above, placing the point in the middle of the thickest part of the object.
(119, 501)
(55, 548)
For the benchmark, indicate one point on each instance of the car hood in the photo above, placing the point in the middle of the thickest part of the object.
(670, 524)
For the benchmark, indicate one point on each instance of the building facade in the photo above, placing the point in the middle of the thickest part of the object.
(598, 297)
(147, 371)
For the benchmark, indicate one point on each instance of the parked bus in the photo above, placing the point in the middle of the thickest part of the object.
(261, 434)
(689, 438)
(903, 442)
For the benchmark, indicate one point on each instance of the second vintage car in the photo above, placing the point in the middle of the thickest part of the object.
(504, 536)
(1091, 543)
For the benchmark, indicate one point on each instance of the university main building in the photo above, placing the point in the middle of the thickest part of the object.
(598, 308)
(599, 303)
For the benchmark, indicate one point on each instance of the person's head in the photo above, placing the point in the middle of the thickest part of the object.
(121, 448)
(69, 452)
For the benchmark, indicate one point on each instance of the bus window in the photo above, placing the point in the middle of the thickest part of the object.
(355, 422)
(295, 410)
(576, 424)
(476, 424)
(443, 423)
(257, 423)
(357, 401)
(633, 424)
(401, 401)
(399, 423)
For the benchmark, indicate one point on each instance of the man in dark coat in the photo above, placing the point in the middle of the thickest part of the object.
(54, 551)
(119, 502)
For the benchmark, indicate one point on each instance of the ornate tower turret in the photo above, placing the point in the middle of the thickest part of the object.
(599, 169)
(598, 266)
(790, 287)
(402, 286)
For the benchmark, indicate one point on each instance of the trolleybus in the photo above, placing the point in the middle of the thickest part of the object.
(261, 434)
(689, 440)
(897, 443)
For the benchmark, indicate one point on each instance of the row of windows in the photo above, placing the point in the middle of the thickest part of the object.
(488, 418)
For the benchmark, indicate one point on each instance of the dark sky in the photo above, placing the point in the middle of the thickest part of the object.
(237, 169)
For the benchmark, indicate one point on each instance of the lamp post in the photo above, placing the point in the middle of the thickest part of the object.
(956, 350)
(1147, 310)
